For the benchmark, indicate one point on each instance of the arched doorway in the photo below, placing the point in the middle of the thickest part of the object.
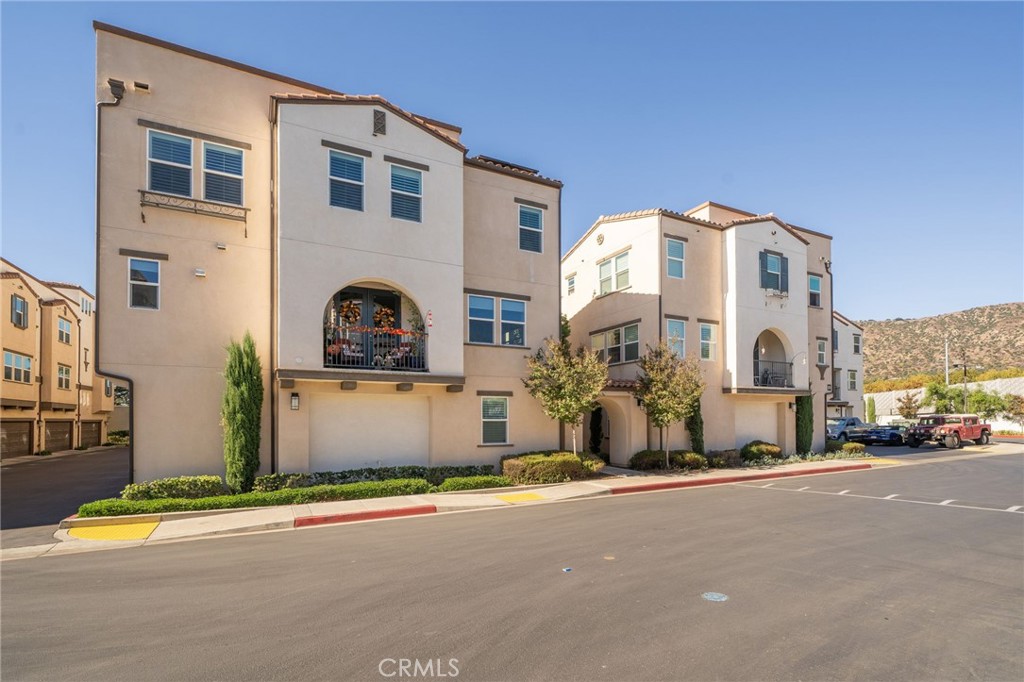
(371, 326)
(616, 448)
(770, 366)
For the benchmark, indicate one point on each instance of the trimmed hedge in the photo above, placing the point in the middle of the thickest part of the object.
(550, 467)
(320, 493)
(758, 449)
(188, 487)
(649, 460)
(834, 445)
(725, 459)
(433, 475)
(473, 483)
(853, 448)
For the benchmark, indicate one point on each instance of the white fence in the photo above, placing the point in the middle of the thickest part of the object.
(886, 407)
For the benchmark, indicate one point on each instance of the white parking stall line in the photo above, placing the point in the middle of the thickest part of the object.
(1017, 509)
(806, 487)
(843, 492)
(944, 503)
(891, 497)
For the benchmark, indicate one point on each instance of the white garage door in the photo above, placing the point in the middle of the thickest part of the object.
(756, 421)
(356, 431)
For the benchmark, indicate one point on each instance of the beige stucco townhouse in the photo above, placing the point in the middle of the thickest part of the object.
(749, 295)
(847, 398)
(393, 285)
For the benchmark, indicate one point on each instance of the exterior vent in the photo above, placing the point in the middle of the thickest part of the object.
(380, 124)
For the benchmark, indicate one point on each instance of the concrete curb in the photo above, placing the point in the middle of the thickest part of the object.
(368, 515)
(672, 485)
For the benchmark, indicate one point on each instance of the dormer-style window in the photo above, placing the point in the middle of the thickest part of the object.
(774, 271)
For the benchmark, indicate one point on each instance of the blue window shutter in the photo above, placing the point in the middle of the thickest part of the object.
(765, 284)
(785, 274)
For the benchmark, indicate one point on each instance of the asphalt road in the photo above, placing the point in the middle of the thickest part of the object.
(820, 585)
(36, 495)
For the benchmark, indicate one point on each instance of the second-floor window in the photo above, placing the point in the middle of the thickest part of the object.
(708, 341)
(507, 315)
(17, 367)
(677, 337)
(347, 183)
(64, 377)
(822, 352)
(531, 229)
(675, 253)
(143, 283)
(856, 344)
(406, 194)
(814, 290)
(222, 174)
(570, 284)
(614, 273)
(774, 271)
(19, 312)
(63, 330)
(851, 380)
(170, 164)
(617, 345)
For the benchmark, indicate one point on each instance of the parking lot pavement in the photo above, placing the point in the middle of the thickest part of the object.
(36, 495)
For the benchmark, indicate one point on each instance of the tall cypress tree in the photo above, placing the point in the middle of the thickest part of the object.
(241, 411)
(804, 423)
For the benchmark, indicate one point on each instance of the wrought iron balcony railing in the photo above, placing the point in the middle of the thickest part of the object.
(375, 348)
(772, 374)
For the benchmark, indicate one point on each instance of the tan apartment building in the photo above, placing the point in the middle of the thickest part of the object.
(847, 396)
(393, 284)
(52, 398)
(748, 295)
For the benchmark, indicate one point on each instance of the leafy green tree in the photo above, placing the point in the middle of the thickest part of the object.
(1014, 411)
(985, 404)
(871, 410)
(943, 398)
(241, 412)
(566, 384)
(908, 405)
(804, 423)
(695, 427)
(669, 387)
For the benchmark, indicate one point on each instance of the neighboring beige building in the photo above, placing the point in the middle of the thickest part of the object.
(52, 399)
(393, 285)
(749, 295)
(847, 398)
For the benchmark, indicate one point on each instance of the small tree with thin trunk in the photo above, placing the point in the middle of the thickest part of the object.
(908, 405)
(871, 414)
(1014, 411)
(241, 411)
(566, 383)
(669, 387)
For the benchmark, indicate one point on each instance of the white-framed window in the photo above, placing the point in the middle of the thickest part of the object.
(406, 194)
(708, 341)
(675, 265)
(494, 420)
(17, 367)
(617, 345)
(64, 377)
(170, 164)
(613, 273)
(531, 229)
(856, 344)
(510, 314)
(851, 379)
(143, 283)
(822, 352)
(677, 337)
(814, 290)
(347, 180)
(222, 173)
(570, 284)
(774, 271)
(19, 312)
(64, 330)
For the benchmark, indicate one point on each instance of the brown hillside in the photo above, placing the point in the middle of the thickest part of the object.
(993, 337)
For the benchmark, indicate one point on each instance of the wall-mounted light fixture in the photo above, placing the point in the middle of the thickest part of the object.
(200, 272)
(295, 401)
(221, 246)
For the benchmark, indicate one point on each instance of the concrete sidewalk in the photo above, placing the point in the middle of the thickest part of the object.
(89, 534)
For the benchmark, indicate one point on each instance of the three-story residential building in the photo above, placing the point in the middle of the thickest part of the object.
(847, 396)
(52, 398)
(749, 295)
(393, 285)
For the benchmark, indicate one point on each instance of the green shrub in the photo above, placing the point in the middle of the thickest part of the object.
(688, 460)
(853, 448)
(473, 483)
(725, 459)
(188, 487)
(240, 414)
(804, 423)
(758, 450)
(556, 467)
(647, 460)
(834, 445)
(320, 493)
(433, 475)
(695, 427)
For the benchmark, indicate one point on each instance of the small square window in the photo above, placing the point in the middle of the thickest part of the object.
(406, 194)
(494, 415)
(143, 283)
(531, 229)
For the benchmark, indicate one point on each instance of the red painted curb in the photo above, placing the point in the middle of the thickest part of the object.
(670, 485)
(364, 515)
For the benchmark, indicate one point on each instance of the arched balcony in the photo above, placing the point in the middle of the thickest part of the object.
(770, 367)
(374, 327)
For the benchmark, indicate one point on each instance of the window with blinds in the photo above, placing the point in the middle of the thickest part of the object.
(170, 164)
(406, 194)
(347, 182)
(531, 229)
(222, 174)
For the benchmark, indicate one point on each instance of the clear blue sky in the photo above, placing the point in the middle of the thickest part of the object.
(896, 128)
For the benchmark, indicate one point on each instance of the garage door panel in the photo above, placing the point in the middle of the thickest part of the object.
(15, 439)
(756, 421)
(58, 435)
(357, 431)
(90, 434)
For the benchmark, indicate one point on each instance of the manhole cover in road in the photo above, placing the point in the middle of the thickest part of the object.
(715, 596)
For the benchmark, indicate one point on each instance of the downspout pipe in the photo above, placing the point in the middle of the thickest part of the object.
(117, 90)
(272, 388)
(832, 346)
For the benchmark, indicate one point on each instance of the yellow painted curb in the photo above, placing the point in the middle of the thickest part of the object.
(883, 461)
(520, 497)
(120, 531)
